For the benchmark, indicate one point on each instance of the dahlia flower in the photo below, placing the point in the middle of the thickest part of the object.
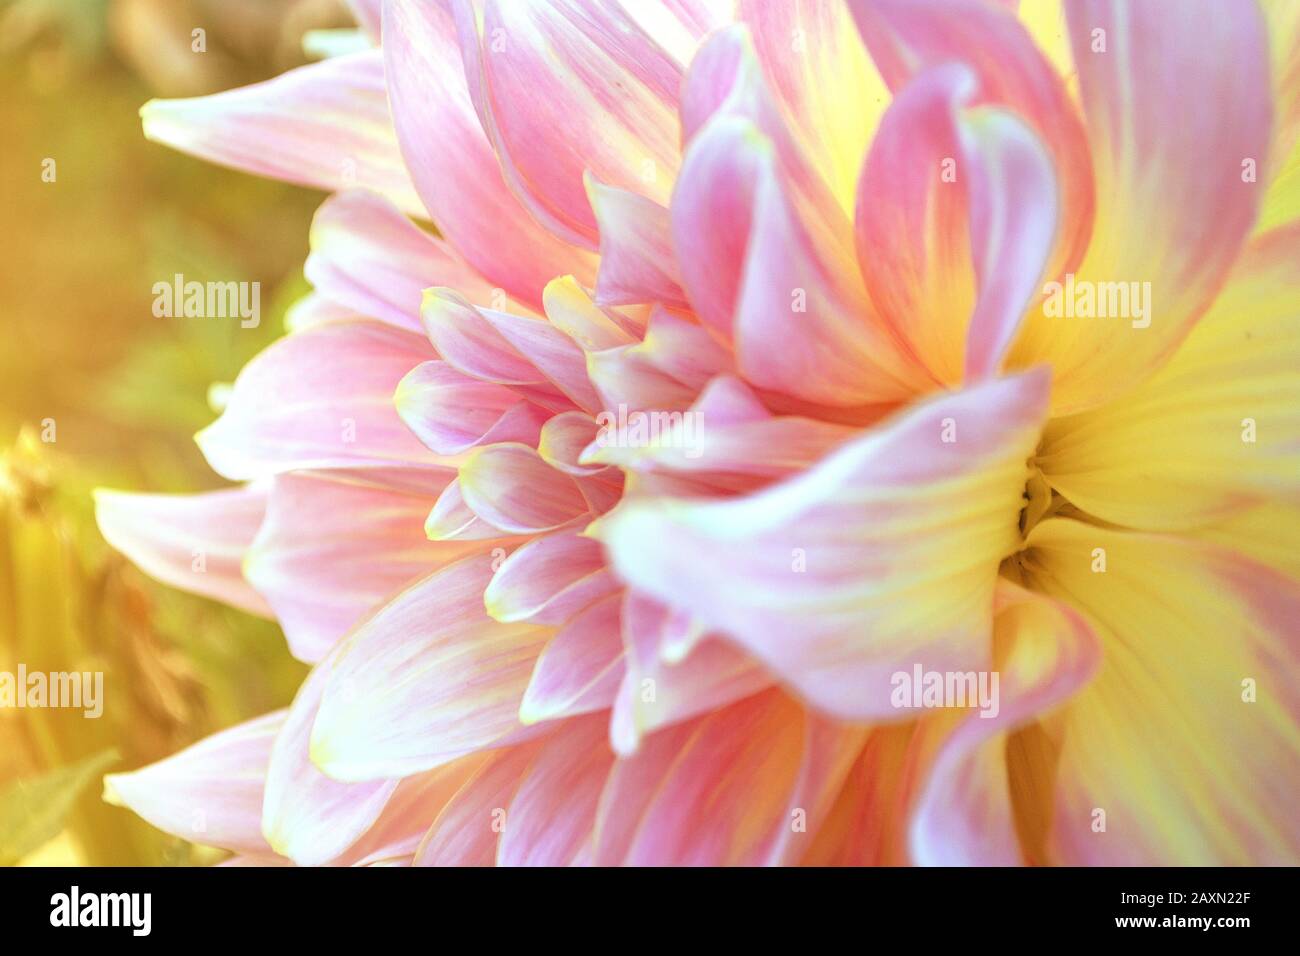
(682, 376)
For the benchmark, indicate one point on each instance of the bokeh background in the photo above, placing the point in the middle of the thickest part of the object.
(97, 391)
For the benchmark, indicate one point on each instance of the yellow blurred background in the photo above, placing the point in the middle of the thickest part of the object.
(97, 391)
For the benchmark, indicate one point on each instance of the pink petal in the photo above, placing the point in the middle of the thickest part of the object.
(804, 326)
(722, 790)
(193, 542)
(468, 341)
(549, 350)
(572, 311)
(452, 413)
(906, 37)
(367, 256)
(956, 216)
(536, 68)
(428, 678)
(405, 819)
(467, 831)
(324, 125)
(322, 398)
(307, 816)
(550, 818)
(663, 372)
(334, 548)
(636, 253)
(452, 162)
(451, 519)
(209, 793)
(1045, 652)
(563, 439)
(823, 81)
(581, 668)
(510, 487)
(729, 432)
(655, 693)
(548, 580)
(816, 576)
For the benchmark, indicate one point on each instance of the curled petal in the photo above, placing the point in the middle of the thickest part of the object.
(1044, 653)
(510, 487)
(818, 576)
(636, 255)
(657, 691)
(451, 412)
(548, 579)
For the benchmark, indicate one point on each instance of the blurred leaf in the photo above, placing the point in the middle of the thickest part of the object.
(32, 812)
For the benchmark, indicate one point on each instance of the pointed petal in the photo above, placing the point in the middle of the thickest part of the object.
(581, 667)
(722, 790)
(655, 693)
(545, 580)
(468, 829)
(825, 84)
(906, 37)
(636, 250)
(193, 542)
(510, 486)
(550, 819)
(956, 213)
(665, 371)
(324, 125)
(209, 793)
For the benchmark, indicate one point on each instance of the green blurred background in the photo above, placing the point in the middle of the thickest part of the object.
(124, 392)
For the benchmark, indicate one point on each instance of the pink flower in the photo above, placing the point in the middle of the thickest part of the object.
(769, 364)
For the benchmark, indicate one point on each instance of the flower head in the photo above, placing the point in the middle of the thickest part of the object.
(778, 371)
